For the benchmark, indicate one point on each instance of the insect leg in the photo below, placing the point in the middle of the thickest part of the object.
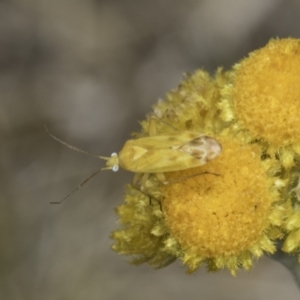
(136, 179)
(144, 179)
(161, 177)
(142, 183)
(152, 126)
(140, 179)
(149, 196)
(159, 202)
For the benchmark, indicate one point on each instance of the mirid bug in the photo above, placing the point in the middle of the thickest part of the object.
(158, 154)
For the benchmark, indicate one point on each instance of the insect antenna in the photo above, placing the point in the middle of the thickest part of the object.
(72, 147)
(81, 151)
(78, 187)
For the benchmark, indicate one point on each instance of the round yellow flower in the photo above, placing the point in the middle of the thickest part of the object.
(223, 215)
(266, 92)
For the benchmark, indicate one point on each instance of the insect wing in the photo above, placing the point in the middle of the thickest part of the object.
(203, 148)
(166, 153)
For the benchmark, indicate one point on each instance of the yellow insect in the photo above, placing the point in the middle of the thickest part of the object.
(158, 154)
(164, 153)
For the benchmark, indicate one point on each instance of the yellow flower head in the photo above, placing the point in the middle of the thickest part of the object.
(264, 96)
(222, 214)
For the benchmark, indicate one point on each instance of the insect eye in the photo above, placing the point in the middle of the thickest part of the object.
(114, 154)
(115, 168)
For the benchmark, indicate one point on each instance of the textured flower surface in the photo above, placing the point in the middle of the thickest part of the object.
(235, 207)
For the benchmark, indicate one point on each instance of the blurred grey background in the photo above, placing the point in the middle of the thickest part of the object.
(91, 70)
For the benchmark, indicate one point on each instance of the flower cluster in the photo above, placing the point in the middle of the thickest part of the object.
(235, 207)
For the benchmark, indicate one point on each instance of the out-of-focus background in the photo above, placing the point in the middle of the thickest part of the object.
(90, 69)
